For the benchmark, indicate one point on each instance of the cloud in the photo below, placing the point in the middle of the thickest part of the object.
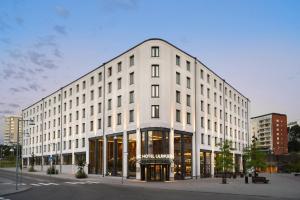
(4, 26)
(44, 41)
(60, 29)
(41, 60)
(5, 40)
(114, 5)
(8, 73)
(19, 21)
(13, 105)
(5, 112)
(57, 53)
(62, 11)
(17, 90)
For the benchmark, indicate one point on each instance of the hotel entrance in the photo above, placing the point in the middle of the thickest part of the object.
(155, 172)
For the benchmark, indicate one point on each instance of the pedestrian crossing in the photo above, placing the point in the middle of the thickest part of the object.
(56, 184)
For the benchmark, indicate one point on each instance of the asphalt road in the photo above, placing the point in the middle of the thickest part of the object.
(49, 188)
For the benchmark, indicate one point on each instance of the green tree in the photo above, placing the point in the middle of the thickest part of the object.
(32, 163)
(294, 142)
(254, 158)
(224, 160)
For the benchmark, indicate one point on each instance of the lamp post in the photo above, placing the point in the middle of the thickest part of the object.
(31, 122)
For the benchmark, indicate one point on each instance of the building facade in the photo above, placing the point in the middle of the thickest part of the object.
(152, 113)
(11, 130)
(271, 132)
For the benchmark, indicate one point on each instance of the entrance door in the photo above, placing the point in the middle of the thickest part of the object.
(155, 172)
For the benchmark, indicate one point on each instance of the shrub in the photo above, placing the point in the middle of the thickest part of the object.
(52, 170)
(31, 169)
(80, 173)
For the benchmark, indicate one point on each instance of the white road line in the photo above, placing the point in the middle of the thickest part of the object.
(2, 198)
(33, 184)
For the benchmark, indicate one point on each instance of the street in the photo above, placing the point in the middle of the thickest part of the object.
(54, 188)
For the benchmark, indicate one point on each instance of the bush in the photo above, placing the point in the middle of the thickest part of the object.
(31, 169)
(80, 173)
(52, 170)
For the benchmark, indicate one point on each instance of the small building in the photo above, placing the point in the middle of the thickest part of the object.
(11, 130)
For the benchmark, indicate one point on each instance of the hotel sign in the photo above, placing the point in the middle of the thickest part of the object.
(155, 158)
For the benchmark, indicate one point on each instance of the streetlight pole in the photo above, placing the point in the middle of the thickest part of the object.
(17, 158)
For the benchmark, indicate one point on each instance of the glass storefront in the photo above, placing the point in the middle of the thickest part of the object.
(182, 155)
(96, 156)
(114, 155)
(131, 149)
(205, 164)
(155, 166)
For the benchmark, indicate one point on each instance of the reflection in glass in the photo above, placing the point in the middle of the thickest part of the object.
(114, 153)
(132, 155)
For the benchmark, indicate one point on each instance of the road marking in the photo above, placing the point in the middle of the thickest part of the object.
(83, 182)
(33, 184)
(2, 198)
(46, 184)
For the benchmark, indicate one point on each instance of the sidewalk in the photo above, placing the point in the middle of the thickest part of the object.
(280, 186)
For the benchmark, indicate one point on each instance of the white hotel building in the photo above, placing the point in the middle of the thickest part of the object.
(152, 113)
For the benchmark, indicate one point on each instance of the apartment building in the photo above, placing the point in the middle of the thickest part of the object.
(152, 113)
(11, 130)
(271, 132)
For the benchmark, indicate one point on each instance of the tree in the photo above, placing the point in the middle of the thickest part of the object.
(254, 158)
(81, 164)
(32, 162)
(294, 142)
(224, 160)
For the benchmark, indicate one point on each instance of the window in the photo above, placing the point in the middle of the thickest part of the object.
(202, 122)
(83, 84)
(100, 76)
(70, 94)
(178, 78)
(202, 105)
(83, 98)
(92, 110)
(208, 78)
(70, 144)
(201, 73)
(178, 115)
(83, 113)
(177, 60)
(99, 123)
(188, 118)
(188, 82)
(131, 78)
(77, 101)
(77, 88)
(131, 60)
(208, 139)
(202, 138)
(155, 91)
(119, 101)
(109, 104)
(91, 125)
(188, 65)
(119, 83)
(92, 80)
(188, 100)
(76, 143)
(92, 94)
(131, 115)
(83, 142)
(119, 66)
(109, 71)
(119, 119)
(109, 121)
(99, 91)
(155, 71)
(131, 96)
(201, 89)
(154, 51)
(177, 97)
(155, 111)
(109, 87)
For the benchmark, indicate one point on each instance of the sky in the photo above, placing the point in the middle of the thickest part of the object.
(254, 45)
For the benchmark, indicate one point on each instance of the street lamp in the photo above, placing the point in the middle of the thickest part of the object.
(31, 123)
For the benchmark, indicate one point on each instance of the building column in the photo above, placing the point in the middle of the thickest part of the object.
(138, 153)
(171, 152)
(73, 162)
(241, 163)
(104, 155)
(125, 154)
(87, 155)
(194, 153)
(212, 164)
(27, 162)
(198, 172)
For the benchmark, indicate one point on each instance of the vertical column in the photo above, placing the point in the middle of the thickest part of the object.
(138, 153)
(73, 160)
(96, 156)
(171, 151)
(241, 163)
(104, 155)
(198, 172)
(194, 153)
(212, 164)
(87, 155)
(125, 154)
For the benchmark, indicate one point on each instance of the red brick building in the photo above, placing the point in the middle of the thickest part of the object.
(271, 132)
